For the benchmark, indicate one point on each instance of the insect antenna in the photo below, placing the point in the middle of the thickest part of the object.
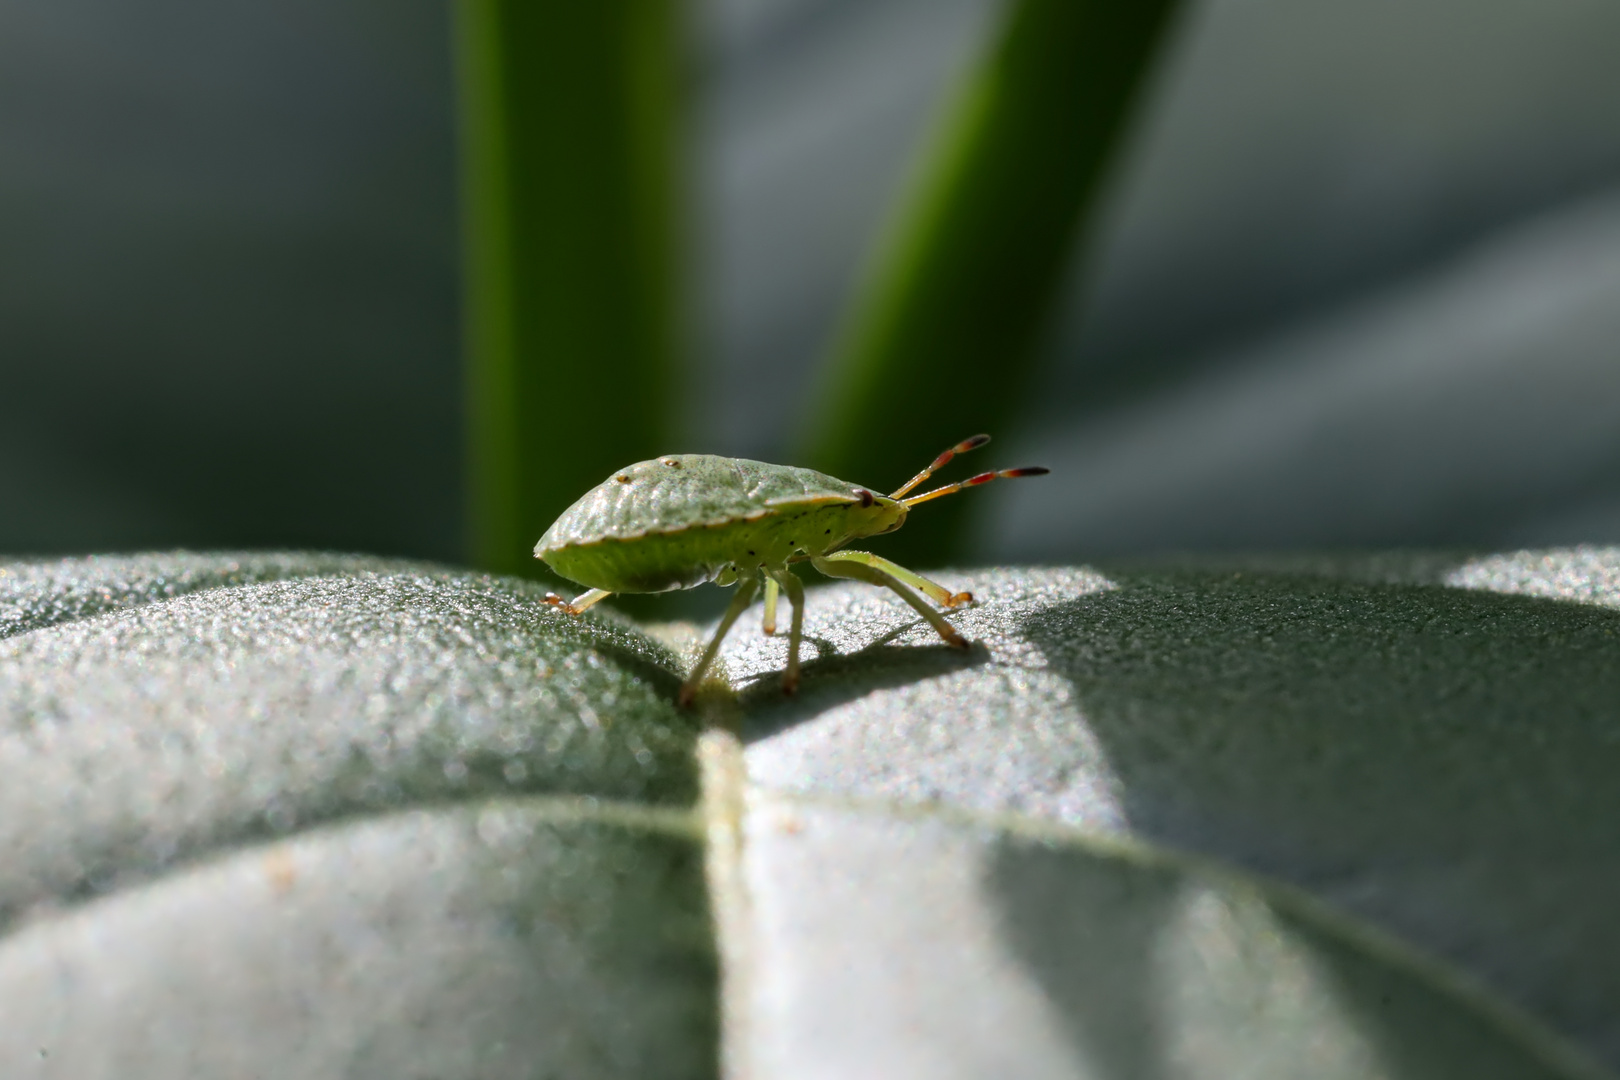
(975, 481)
(940, 462)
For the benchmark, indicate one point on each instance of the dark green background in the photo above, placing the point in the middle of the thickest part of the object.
(1370, 248)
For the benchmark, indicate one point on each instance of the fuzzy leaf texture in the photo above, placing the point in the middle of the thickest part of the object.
(331, 816)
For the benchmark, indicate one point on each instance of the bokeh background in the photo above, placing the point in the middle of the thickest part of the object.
(1355, 281)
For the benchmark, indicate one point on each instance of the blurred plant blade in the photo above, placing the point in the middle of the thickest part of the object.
(940, 342)
(568, 112)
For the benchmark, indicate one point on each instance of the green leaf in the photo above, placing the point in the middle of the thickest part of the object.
(924, 942)
(941, 341)
(1429, 758)
(364, 818)
(330, 816)
(509, 938)
(569, 114)
(243, 712)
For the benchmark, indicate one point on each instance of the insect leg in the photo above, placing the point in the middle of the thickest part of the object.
(936, 592)
(578, 605)
(795, 590)
(845, 568)
(745, 593)
(770, 606)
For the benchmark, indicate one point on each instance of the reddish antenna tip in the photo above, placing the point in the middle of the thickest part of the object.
(972, 442)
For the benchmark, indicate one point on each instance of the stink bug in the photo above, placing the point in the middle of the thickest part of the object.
(684, 520)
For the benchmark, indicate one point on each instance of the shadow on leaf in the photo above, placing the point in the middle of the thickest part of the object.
(1438, 760)
(831, 680)
(1155, 972)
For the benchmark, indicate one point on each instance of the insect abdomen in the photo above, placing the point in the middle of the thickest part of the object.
(646, 564)
(681, 559)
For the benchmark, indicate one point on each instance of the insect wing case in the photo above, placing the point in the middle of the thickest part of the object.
(679, 521)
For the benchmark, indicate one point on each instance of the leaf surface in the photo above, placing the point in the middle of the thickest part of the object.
(1255, 817)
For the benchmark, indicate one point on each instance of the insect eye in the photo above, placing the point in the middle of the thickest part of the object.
(671, 462)
(865, 496)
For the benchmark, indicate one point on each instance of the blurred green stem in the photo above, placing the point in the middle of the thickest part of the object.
(941, 342)
(569, 114)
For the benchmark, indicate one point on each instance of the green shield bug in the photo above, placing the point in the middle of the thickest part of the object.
(684, 520)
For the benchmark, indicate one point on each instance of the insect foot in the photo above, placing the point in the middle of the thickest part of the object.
(578, 604)
(956, 600)
(710, 688)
